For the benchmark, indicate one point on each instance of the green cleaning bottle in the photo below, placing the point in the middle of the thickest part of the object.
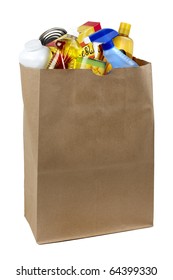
(123, 42)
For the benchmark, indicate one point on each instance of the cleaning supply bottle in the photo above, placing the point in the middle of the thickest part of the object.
(123, 42)
(35, 55)
(111, 53)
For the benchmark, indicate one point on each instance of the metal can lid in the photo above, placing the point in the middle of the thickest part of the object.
(51, 34)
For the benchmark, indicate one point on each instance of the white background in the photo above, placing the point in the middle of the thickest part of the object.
(152, 26)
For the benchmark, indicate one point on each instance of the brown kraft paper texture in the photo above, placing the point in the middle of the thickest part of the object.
(88, 151)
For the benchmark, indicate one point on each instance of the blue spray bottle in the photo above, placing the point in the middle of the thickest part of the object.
(110, 52)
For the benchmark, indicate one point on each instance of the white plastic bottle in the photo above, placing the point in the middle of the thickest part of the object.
(35, 55)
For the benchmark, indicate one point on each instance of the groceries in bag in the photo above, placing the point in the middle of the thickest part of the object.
(97, 66)
(112, 54)
(90, 50)
(51, 35)
(94, 48)
(35, 55)
(65, 51)
(123, 42)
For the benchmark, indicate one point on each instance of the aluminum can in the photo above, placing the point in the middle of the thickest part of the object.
(51, 35)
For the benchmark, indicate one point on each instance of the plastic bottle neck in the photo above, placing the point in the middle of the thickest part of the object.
(107, 46)
(124, 35)
(124, 29)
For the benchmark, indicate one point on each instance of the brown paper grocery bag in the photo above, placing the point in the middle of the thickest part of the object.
(88, 151)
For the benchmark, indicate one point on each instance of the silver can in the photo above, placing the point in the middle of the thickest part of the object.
(51, 35)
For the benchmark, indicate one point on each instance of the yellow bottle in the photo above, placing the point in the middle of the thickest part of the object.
(123, 42)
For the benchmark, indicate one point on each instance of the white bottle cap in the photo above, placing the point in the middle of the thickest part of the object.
(33, 45)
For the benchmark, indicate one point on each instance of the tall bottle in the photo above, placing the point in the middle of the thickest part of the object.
(113, 55)
(123, 42)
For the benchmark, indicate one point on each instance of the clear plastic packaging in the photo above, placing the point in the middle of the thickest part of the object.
(65, 51)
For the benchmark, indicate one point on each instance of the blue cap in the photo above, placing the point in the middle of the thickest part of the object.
(104, 37)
